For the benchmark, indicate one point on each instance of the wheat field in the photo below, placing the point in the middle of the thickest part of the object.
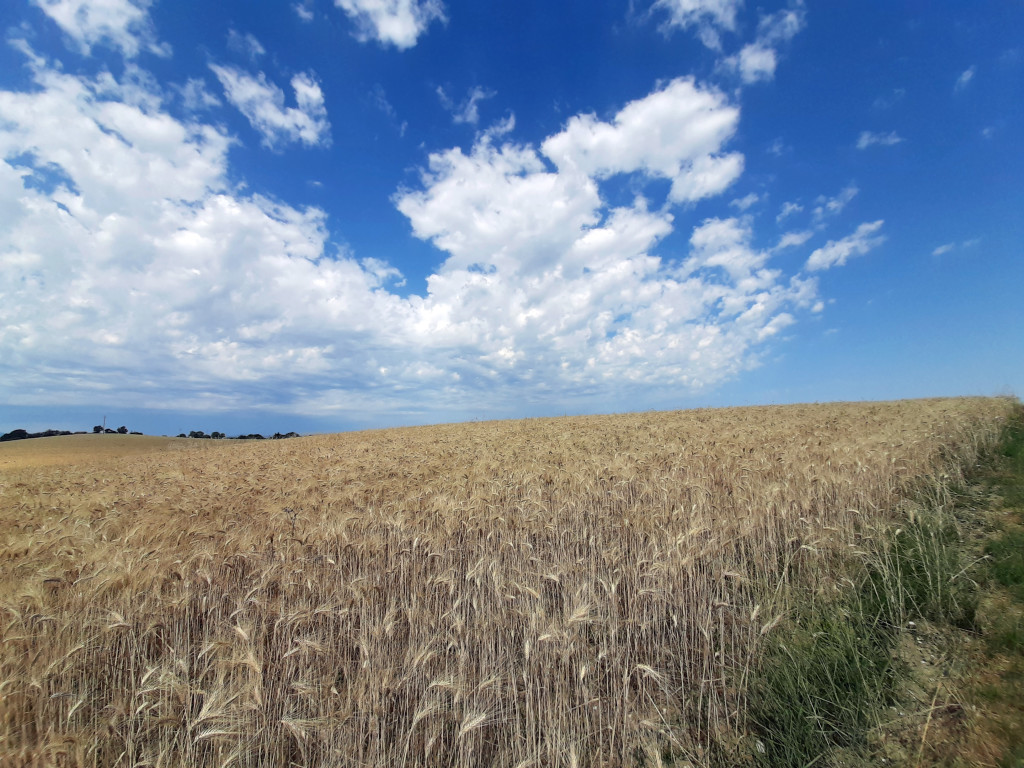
(584, 591)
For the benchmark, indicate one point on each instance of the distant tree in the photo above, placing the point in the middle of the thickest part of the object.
(134, 433)
(14, 434)
(122, 430)
(97, 430)
(182, 435)
(217, 435)
(109, 432)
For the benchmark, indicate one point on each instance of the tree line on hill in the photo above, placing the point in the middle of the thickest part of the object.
(199, 434)
(23, 434)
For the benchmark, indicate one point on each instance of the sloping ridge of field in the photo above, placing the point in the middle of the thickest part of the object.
(588, 591)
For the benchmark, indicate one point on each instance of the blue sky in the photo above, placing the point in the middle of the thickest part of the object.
(332, 214)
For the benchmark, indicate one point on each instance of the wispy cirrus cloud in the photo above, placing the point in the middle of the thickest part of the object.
(955, 246)
(890, 99)
(871, 139)
(304, 10)
(793, 239)
(245, 44)
(467, 110)
(746, 202)
(195, 96)
(835, 253)
(832, 206)
(788, 209)
(965, 79)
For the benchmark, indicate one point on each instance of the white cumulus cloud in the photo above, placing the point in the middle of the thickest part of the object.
(500, 206)
(392, 22)
(676, 133)
(135, 270)
(122, 24)
(136, 273)
(709, 17)
(262, 103)
(541, 276)
(756, 61)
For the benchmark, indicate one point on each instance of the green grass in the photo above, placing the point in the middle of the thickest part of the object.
(1010, 477)
(1006, 568)
(931, 572)
(827, 673)
(820, 683)
(1006, 551)
(1007, 637)
(1006, 563)
(1015, 759)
